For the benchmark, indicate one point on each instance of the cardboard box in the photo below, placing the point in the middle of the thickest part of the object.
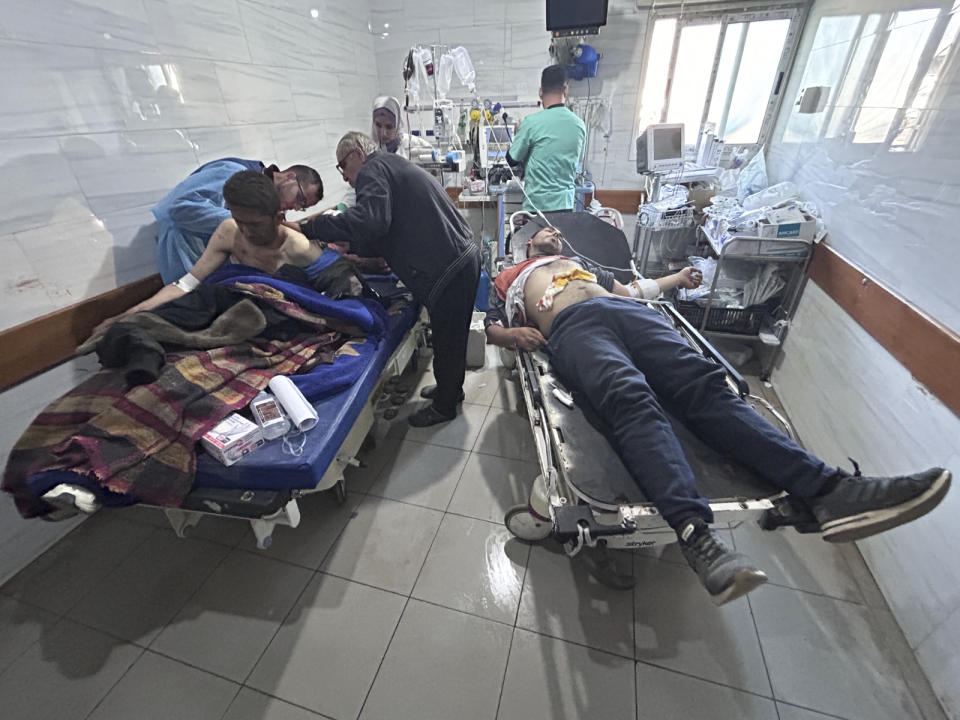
(805, 229)
(233, 438)
(476, 342)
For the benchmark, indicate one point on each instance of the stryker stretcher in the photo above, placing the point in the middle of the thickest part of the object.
(264, 486)
(584, 496)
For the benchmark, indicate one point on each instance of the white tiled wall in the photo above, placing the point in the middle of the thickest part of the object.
(508, 44)
(895, 214)
(109, 103)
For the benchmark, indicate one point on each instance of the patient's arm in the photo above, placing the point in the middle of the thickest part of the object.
(214, 255)
(688, 278)
(649, 289)
(518, 338)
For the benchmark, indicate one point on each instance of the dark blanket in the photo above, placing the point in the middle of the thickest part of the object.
(140, 441)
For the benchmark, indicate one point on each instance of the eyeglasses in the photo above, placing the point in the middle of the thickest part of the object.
(301, 196)
(341, 166)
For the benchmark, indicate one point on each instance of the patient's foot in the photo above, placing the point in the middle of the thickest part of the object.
(858, 507)
(68, 500)
(430, 392)
(425, 417)
(725, 574)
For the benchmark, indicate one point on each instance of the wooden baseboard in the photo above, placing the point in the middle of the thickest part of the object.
(928, 349)
(44, 342)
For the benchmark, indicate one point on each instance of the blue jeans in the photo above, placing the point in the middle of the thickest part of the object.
(630, 364)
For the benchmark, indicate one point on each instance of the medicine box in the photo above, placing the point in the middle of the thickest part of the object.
(233, 438)
(801, 229)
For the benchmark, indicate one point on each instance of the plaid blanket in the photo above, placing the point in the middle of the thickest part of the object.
(140, 441)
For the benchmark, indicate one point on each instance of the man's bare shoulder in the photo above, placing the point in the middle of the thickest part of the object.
(298, 248)
(225, 235)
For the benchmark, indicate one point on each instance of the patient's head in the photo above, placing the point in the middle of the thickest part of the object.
(254, 202)
(548, 241)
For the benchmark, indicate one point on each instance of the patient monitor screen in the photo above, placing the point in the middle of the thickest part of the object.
(667, 144)
(496, 142)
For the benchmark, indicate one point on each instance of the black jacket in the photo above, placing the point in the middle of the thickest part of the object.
(403, 215)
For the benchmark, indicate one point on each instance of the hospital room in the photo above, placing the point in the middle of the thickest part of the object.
(488, 360)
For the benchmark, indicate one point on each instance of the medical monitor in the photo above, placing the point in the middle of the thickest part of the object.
(664, 146)
(575, 17)
(494, 143)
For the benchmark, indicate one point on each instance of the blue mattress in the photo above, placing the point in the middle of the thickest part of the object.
(269, 468)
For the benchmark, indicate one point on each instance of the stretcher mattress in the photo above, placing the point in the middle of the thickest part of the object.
(270, 468)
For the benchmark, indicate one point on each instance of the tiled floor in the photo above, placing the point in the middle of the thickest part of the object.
(413, 602)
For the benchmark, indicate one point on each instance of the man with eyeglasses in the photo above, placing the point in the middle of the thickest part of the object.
(254, 235)
(188, 216)
(403, 215)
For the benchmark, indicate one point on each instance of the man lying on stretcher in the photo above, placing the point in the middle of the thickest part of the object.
(630, 364)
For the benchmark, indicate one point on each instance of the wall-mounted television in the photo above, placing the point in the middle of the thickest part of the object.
(575, 17)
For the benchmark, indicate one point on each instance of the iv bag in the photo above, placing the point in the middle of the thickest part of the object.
(464, 67)
(445, 74)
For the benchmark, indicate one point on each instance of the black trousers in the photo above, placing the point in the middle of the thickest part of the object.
(450, 318)
(630, 363)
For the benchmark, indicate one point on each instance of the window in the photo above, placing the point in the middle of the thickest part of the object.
(885, 72)
(726, 69)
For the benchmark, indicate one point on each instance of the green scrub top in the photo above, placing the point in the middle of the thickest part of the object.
(549, 144)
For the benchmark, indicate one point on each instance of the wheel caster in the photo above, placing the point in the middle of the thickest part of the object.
(524, 525)
(340, 491)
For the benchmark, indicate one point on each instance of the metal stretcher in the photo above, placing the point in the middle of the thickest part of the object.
(584, 496)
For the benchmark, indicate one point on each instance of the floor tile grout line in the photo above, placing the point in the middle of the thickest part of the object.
(103, 697)
(806, 707)
(506, 667)
(770, 583)
(383, 657)
(763, 655)
(315, 572)
(258, 691)
(577, 643)
(234, 699)
(113, 567)
(195, 592)
(706, 680)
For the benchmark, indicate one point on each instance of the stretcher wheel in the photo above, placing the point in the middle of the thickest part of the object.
(525, 526)
(340, 491)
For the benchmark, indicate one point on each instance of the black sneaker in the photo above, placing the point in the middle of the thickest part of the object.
(430, 392)
(425, 417)
(725, 574)
(858, 506)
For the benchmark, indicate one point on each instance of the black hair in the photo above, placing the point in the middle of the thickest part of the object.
(308, 176)
(553, 78)
(252, 190)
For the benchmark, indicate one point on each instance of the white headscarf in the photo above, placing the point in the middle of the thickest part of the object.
(403, 140)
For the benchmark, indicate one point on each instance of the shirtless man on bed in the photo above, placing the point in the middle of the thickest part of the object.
(255, 235)
(629, 363)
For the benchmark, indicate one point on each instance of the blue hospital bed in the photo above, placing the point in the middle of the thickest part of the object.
(264, 486)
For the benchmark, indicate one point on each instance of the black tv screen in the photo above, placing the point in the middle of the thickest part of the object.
(568, 14)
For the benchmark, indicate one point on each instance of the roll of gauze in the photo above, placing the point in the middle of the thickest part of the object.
(300, 412)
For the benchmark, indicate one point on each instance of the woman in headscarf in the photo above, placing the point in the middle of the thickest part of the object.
(388, 133)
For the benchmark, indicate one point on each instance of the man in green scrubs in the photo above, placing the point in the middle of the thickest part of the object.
(549, 144)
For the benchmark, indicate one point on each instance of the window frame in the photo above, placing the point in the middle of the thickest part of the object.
(796, 12)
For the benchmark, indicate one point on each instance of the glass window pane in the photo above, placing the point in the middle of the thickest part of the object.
(845, 97)
(691, 76)
(891, 81)
(918, 116)
(656, 72)
(835, 37)
(731, 42)
(758, 71)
